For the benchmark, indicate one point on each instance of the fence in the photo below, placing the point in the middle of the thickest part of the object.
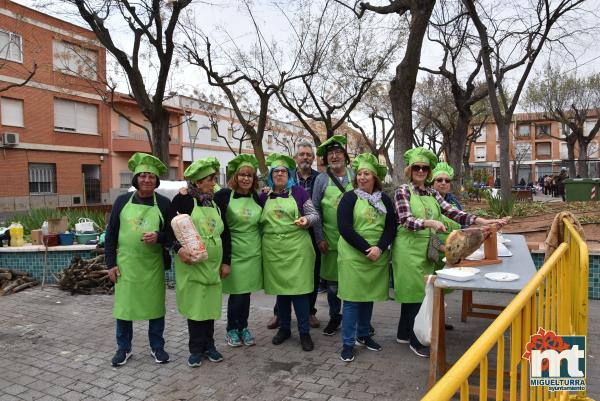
(555, 299)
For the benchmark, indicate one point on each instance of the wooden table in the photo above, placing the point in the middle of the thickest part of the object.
(520, 263)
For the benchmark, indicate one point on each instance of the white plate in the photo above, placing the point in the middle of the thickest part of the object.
(501, 276)
(472, 270)
(455, 274)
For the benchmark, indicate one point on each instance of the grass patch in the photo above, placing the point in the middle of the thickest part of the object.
(34, 218)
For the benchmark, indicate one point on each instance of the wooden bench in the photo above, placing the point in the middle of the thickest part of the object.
(522, 195)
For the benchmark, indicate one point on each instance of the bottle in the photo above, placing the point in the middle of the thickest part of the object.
(16, 234)
(45, 228)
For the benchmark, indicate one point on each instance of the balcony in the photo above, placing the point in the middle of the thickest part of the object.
(138, 142)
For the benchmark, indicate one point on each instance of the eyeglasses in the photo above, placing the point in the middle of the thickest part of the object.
(245, 176)
(444, 180)
(416, 168)
(336, 152)
(279, 170)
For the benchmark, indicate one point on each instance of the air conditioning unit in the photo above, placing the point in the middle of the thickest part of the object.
(10, 139)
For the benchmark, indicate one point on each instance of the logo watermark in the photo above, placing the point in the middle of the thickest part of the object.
(557, 362)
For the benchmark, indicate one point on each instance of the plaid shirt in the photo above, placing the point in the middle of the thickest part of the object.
(307, 183)
(406, 219)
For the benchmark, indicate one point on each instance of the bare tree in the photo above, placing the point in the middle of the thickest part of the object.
(348, 56)
(511, 44)
(572, 101)
(152, 25)
(404, 81)
(450, 103)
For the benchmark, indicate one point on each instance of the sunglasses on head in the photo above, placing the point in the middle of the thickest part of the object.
(416, 168)
(444, 180)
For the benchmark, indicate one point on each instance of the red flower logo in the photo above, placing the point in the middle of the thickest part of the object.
(542, 341)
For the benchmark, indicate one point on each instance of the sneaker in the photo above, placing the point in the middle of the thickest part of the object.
(313, 321)
(233, 338)
(281, 336)
(195, 360)
(213, 355)
(421, 351)
(273, 323)
(347, 354)
(160, 356)
(247, 337)
(332, 326)
(369, 343)
(306, 342)
(371, 331)
(402, 340)
(121, 357)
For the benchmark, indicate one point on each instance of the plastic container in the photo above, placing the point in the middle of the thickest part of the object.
(16, 234)
(83, 239)
(66, 238)
(45, 228)
(50, 240)
(580, 189)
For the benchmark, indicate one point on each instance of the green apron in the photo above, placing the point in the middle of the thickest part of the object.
(360, 279)
(287, 250)
(198, 286)
(140, 289)
(409, 251)
(243, 215)
(329, 204)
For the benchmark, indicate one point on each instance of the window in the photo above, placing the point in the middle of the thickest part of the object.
(230, 133)
(543, 149)
(497, 153)
(482, 134)
(123, 126)
(592, 150)
(125, 177)
(77, 117)
(542, 130)
(42, 178)
(193, 127)
(564, 130)
(523, 131)
(522, 151)
(213, 133)
(11, 46)
(72, 59)
(480, 153)
(589, 124)
(173, 172)
(12, 112)
(564, 151)
(270, 141)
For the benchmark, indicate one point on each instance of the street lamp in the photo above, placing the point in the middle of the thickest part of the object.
(194, 136)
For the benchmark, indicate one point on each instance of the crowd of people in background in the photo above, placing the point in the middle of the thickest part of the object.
(302, 228)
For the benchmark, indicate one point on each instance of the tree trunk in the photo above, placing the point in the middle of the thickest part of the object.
(582, 165)
(259, 152)
(403, 84)
(160, 139)
(503, 135)
(571, 154)
(455, 148)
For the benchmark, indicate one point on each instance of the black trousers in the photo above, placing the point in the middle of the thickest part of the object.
(201, 335)
(408, 312)
(238, 310)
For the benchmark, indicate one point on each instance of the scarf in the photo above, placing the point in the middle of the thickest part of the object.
(374, 199)
(203, 199)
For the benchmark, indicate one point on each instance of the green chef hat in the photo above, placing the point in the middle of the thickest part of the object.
(243, 160)
(442, 168)
(145, 163)
(370, 162)
(201, 168)
(420, 155)
(336, 140)
(278, 159)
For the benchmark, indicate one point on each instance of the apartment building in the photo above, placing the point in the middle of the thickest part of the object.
(535, 148)
(55, 130)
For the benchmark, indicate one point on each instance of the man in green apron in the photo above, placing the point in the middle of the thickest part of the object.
(136, 235)
(327, 192)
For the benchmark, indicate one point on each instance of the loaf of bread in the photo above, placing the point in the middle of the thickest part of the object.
(188, 237)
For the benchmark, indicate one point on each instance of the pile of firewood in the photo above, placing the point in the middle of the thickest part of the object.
(85, 276)
(12, 281)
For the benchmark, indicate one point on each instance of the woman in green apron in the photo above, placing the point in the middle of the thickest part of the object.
(136, 234)
(198, 285)
(367, 226)
(241, 213)
(420, 212)
(288, 254)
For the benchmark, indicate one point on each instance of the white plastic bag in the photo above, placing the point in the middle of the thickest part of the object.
(424, 319)
(84, 225)
(188, 237)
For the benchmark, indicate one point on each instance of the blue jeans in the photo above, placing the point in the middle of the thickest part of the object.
(356, 321)
(335, 304)
(156, 327)
(301, 307)
(238, 310)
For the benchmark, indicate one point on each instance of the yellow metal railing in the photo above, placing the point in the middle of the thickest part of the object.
(555, 299)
